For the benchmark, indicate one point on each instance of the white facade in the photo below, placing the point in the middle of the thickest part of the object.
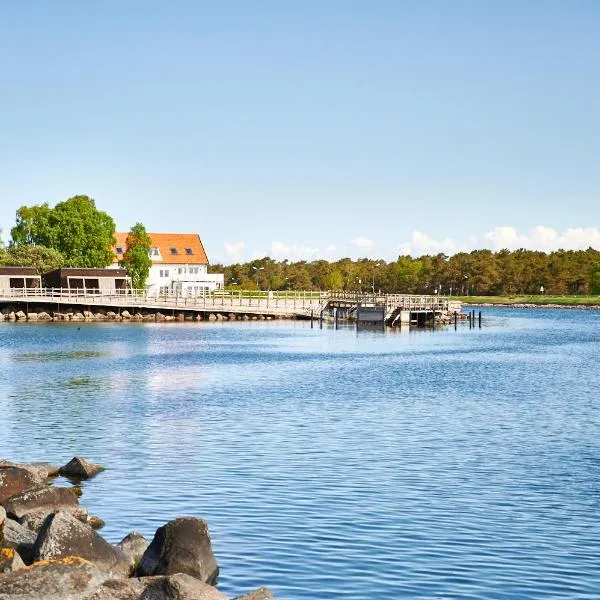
(185, 280)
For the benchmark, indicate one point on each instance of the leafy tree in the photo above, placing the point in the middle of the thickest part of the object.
(83, 234)
(595, 279)
(27, 255)
(334, 281)
(137, 259)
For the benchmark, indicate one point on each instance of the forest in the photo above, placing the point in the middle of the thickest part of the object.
(480, 272)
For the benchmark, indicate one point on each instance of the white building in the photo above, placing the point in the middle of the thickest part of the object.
(179, 264)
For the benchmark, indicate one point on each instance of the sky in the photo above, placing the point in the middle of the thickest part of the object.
(309, 129)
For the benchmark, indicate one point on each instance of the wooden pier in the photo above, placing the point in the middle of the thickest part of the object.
(55, 303)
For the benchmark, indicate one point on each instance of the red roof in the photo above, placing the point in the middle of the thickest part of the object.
(173, 248)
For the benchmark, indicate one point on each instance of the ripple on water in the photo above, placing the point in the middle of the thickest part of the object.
(332, 464)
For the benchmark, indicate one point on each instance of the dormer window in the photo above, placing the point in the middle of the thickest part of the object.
(119, 250)
(189, 251)
(173, 251)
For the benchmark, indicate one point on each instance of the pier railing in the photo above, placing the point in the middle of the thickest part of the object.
(291, 302)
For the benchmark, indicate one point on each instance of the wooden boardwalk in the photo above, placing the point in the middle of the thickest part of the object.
(301, 305)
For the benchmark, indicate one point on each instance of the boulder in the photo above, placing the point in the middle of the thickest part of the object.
(19, 538)
(125, 314)
(41, 469)
(43, 497)
(69, 578)
(80, 468)
(174, 587)
(12, 316)
(259, 594)
(95, 522)
(133, 546)
(32, 316)
(10, 560)
(20, 315)
(212, 317)
(63, 535)
(181, 546)
(35, 519)
(88, 314)
(14, 480)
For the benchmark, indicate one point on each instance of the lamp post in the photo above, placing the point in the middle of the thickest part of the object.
(257, 269)
(374, 267)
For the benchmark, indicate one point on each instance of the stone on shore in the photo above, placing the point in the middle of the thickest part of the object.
(44, 470)
(80, 468)
(259, 594)
(133, 546)
(43, 497)
(63, 535)
(181, 546)
(14, 480)
(173, 587)
(35, 519)
(19, 538)
(2, 520)
(69, 578)
(10, 560)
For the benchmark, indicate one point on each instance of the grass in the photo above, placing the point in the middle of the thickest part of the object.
(563, 300)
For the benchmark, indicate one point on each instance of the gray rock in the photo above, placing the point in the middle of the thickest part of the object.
(20, 315)
(10, 560)
(35, 519)
(174, 587)
(63, 535)
(43, 497)
(125, 314)
(181, 546)
(41, 469)
(95, 522)
(80, 468)
(14, 480)
(133, 546)
(67, 579)
(19, 538)
(259, 594)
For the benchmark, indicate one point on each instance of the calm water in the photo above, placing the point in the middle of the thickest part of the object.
(329, 464)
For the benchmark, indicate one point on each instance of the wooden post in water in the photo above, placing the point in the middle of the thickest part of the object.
(470, 324)
(455, 321)
(311, 318)
(335, 317)
(479, 319)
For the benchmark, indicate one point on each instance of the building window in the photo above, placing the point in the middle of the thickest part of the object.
(119, 250)
(189, 251)
(173, 251)
(154, 251)
(164, 272)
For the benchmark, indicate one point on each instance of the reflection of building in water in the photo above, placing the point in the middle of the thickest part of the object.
(19, 278)
(88, 280)
(179, 264)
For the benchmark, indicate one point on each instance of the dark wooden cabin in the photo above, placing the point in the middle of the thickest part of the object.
(19, 278)
(92, 281)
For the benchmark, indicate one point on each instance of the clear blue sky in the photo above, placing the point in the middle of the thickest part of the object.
(309, 128)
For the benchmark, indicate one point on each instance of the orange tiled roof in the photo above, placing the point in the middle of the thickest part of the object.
(182, 243)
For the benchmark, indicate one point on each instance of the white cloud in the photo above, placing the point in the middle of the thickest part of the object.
(363, 243)
(279, 251)
(544, 238)
(330, 248)
(235, 250)
(421, 243)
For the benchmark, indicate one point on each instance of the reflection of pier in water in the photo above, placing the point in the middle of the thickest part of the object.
(392, 309)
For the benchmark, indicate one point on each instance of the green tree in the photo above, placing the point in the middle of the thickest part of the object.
(83, 234)
(595, 279)
(137, 259)
(27, 255)
(334, 281)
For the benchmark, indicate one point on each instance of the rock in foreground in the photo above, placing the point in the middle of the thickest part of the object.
(65, 579)
(63, 535)
(173, 587)
(181, 546)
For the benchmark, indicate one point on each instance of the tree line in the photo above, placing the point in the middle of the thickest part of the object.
(480, 272)
(74, 233)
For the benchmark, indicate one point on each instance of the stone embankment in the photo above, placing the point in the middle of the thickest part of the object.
(81, 314)
(536, 305)
(50, 549)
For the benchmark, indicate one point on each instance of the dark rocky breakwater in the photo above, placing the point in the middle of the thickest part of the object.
(50, 548)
